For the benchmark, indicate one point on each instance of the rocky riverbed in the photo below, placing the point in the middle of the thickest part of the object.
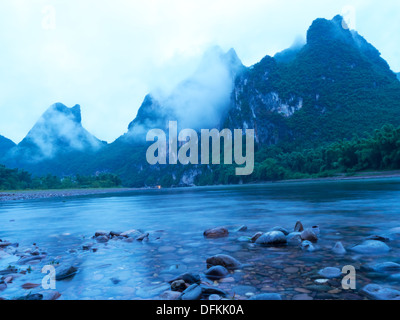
(232, 262)
(47, 194)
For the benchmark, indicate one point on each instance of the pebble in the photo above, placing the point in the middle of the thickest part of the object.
(291, 270)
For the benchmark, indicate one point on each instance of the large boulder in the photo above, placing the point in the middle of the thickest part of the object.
(272, 238)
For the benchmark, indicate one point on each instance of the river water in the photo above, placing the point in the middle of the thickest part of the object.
(346, 211)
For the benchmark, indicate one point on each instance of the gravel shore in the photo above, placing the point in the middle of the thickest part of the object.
(41, 194)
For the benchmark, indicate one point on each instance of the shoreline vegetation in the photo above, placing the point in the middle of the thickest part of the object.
(15, 195)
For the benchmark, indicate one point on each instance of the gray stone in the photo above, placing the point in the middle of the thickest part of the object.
(216, 273)
(223, 260)
(307, 246)
(338, 248)
(214, 297)
(207, 291)
(272, 238)
(189, 278)
(65, 272)
(384, 267)
(371, 247)
(330, 272)
(267, 296)
(309, 235)
(170, 295)
(192, 293)
(283, 230)
(376, 292)
(294, 238)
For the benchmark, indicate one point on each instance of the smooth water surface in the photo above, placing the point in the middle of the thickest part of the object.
(345, 211)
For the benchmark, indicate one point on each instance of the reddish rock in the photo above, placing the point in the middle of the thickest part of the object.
(219, 232)
(30, 285)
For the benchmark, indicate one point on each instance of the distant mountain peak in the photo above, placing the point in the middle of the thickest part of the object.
(59, 129)
(5, 145)
(323, 30)
(73, 113)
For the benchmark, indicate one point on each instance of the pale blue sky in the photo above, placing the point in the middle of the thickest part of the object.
(106, 55)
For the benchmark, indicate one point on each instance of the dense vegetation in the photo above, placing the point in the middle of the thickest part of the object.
(377, 151)
(14, 179)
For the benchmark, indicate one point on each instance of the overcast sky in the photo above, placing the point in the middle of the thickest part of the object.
(106, 55)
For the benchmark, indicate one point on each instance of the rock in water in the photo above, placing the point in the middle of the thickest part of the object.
(272, 238)
(216, 273)
(309, 235)
(102, 239)
(178, 285)
(101, 233)
(241, 229)
(214, 233)
(190, 278)
(170, 295)
(376, 292)
(283, 230)
(223, 260)
(298, 227)
(378, 238)
(131, 233)
(207, 291)
(307, 246)
(330, 272)
(384, 267)
(294, 238)
(316, 230)
(267, 296)
(256, 236)
(65, 272)
(192, 293)
(338, 248)
(371, 247)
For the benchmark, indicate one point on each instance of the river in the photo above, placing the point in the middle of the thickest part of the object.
(345, 211)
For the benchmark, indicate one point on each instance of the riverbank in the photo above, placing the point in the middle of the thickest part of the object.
(44, 194)
(356, 176)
